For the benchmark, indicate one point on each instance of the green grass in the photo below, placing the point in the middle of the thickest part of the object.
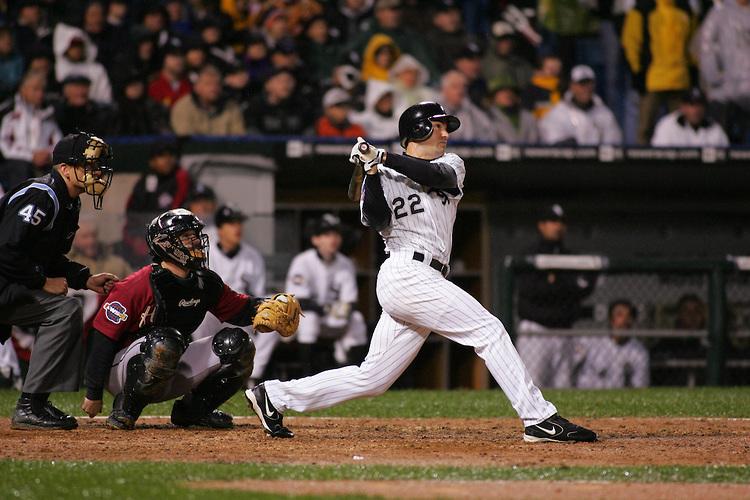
(653, 402)
(164, 480)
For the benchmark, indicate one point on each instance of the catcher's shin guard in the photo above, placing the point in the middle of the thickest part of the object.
(236, 352)
(147, 374)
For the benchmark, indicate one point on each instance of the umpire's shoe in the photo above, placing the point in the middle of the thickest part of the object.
(558, 430)
(48, 418)
(182, 416)
(270, 418)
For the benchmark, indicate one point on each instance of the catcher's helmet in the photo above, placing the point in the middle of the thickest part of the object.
(177, 236)
(414, 124)
(93, 155)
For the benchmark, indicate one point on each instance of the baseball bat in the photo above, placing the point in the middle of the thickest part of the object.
(358, 176)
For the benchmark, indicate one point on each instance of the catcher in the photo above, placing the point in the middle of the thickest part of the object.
(140, 344)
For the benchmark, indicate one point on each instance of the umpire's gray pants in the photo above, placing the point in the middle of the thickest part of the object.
(57, 354)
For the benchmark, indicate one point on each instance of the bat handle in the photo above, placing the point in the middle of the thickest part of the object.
(364, 147)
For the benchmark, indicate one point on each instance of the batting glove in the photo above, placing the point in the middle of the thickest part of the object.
(366, 155)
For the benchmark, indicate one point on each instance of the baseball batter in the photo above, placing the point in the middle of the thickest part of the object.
(411, 200)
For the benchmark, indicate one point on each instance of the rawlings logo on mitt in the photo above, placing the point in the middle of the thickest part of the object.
(280, 313)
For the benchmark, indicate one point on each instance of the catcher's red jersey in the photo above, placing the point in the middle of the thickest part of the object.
(131, 305)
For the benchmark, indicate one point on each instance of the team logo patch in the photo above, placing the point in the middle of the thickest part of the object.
(298, 279)
(115, 312)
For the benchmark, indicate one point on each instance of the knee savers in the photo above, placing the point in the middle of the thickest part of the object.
(161, 349)
(235, 348)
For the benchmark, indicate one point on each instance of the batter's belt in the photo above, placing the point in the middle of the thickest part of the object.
(443, 269)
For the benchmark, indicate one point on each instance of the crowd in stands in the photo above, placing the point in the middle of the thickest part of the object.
(566, 72)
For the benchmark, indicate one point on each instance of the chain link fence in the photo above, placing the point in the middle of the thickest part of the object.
(591, 322)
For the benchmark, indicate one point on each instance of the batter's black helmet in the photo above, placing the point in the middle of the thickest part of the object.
(177, 236)
(414, 124)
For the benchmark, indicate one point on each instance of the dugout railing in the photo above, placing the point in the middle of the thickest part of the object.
(668, 298)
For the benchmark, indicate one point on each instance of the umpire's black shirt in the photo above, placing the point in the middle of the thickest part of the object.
(38, 220)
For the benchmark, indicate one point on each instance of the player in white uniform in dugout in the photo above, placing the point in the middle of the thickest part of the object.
(242, 268)
(411, 200)
(325, 282)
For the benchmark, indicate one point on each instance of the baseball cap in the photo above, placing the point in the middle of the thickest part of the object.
(201, 192)
(582, 73)
(162, 147)
(501, 29)
(505, 81)
(388, 4)
(694, 95)
(552, 212)
(327, 222)
(335, 97)
(227, 213)
(64, 149)
(80, 79)
(444, 5)
(470, 51)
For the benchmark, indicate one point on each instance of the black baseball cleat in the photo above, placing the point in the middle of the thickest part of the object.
(119, 419)
(24, 418)
(57, 413)
(270, 418)
(558, 430)
(182, 417)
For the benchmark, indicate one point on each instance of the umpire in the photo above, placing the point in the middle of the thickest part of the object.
(38, 220)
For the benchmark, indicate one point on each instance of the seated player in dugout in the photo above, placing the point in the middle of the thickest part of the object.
(325, 282)
(140, 344)
(38, 221)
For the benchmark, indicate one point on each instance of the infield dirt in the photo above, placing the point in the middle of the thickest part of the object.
(418, 442)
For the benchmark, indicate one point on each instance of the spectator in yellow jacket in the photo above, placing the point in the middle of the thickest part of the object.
(655, 37)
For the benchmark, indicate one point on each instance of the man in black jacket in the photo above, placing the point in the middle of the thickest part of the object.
(549, 299)
(38, 220)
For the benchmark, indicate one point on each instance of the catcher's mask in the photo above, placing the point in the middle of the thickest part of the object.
(91, 154)
(177, 236)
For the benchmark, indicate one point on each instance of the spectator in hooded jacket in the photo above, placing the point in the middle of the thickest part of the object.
(205, 111)
(544, 89)
(469, 63)
(513, 124)
(725, 66)
(77, 111)
(280, 109)
(656, 37)
(475, 124)
(388, 21)
(164, 186)
(581, 118)
(446, 35)
(501, 59)
(76, 55)
(689, 126)
(27, 133)
(11, 64)
(349, 17)
(137, 114)
(379, 118)
(335, 120)
(409, 78)
(379, 57)
(319, 50)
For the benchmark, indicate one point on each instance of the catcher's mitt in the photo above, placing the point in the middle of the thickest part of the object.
(281, 313)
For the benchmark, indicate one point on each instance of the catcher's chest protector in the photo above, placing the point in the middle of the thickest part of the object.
(183, 303)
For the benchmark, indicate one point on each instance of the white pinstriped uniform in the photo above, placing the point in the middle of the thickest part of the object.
(417, 300)
(244, 272)
(332, 285)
